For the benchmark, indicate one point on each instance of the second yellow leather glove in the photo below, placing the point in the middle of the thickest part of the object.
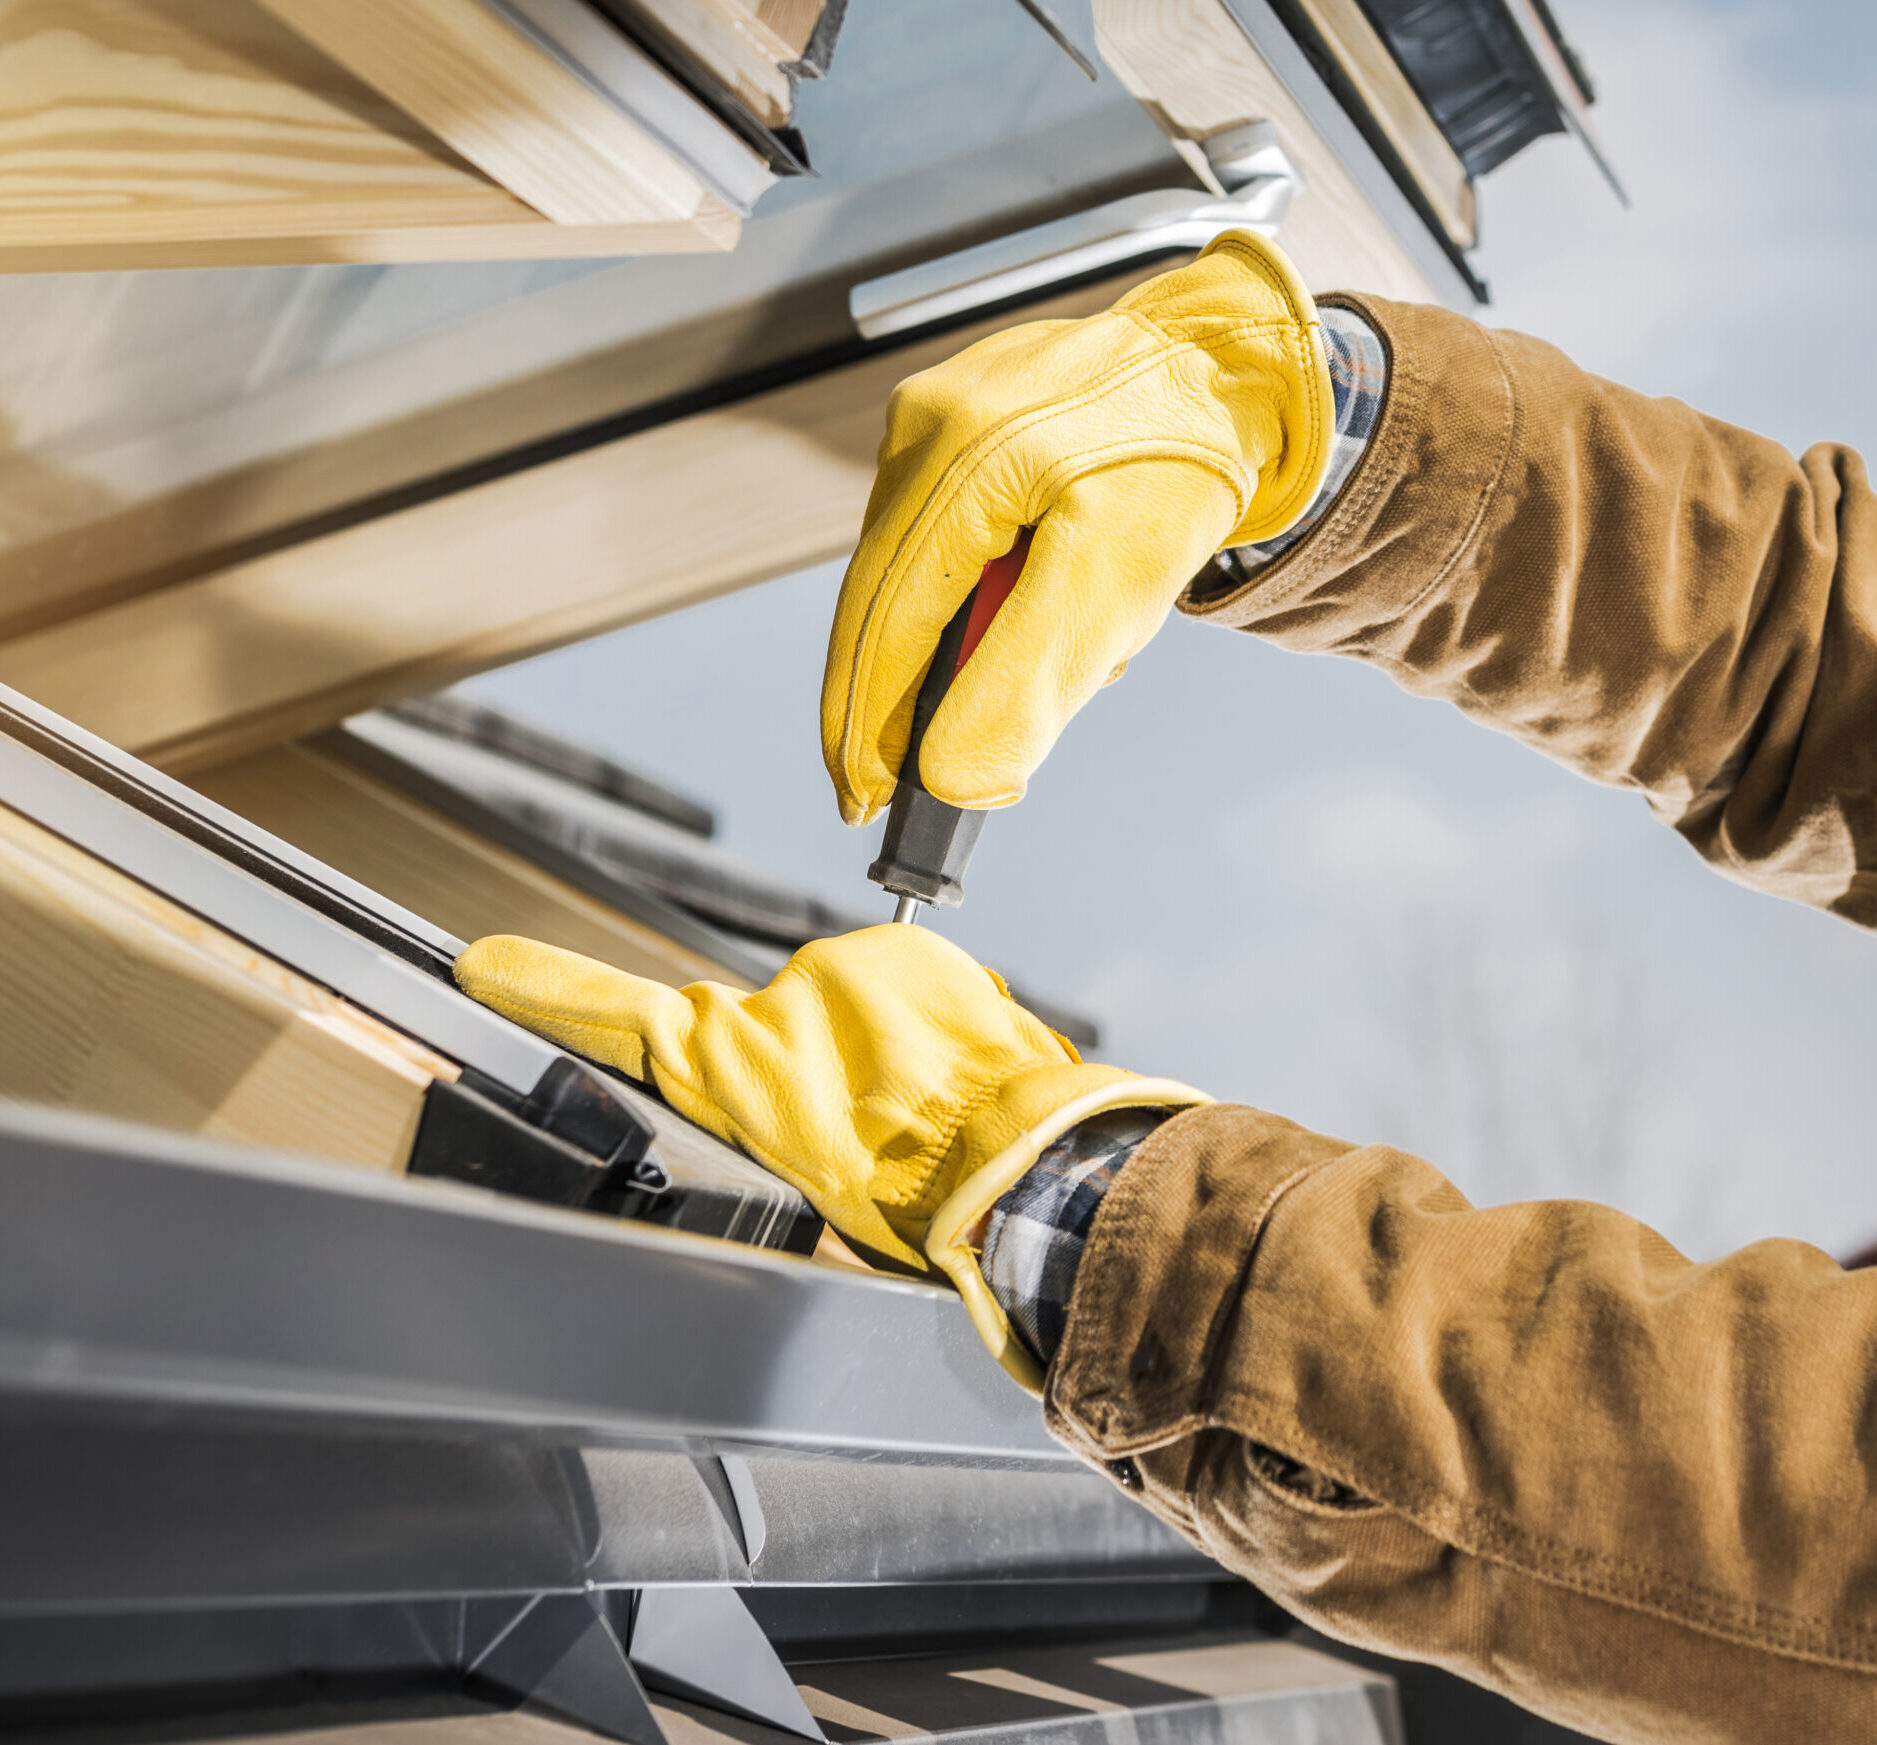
(1196, 413)
(884, 1073)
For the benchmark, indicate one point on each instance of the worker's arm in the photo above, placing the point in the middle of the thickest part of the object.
(883, 1073)
(1653, 597)
(1198, 412)
(1532, 1444)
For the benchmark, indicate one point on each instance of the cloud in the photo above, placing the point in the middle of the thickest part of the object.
(1412, 962)
(1371, 832)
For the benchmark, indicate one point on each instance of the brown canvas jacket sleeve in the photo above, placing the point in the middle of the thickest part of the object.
(1657, 599)
(1532, 1444)
(1535, 1444)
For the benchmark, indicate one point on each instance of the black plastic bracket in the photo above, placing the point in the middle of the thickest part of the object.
(467, 1136)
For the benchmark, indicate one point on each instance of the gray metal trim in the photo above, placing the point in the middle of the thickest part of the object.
(702, 1643)
(1279, 48)
(139, 774)
(106, 1512)
(845, 1522)
(145, 1267)
(250, 909)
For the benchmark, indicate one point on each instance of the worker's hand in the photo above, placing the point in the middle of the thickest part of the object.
(883, 1073)
(1194, 414)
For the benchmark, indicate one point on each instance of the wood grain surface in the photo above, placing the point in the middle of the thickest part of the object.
(161, 119)
(434, 866)
(720, 34)
(712, 229)
(783, 26)
(205, 132)
(1401, 114)
(1198, 74)
(506, 104)
(121, 1003)
(463, 1725)
(273, 649)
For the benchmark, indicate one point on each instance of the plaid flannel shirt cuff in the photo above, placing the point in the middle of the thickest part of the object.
(1037, 1231)
(1359, 382)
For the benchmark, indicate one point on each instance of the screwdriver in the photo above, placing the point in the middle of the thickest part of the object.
(928, 844)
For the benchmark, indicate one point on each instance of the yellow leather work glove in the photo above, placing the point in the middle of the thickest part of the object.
(884, 1073)
(1195, 414)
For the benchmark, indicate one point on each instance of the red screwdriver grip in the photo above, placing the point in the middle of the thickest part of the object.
(993, 589)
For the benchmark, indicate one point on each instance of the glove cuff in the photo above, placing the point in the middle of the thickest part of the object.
(1300, 361)
(1042, 1114)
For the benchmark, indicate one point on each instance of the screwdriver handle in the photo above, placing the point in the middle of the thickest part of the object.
(928, 844)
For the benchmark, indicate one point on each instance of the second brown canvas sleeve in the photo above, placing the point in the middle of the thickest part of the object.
(1535, 1443)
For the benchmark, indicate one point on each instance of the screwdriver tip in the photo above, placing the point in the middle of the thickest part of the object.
(908, 909)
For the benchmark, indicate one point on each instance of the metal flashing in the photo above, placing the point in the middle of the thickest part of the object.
(162, 1271)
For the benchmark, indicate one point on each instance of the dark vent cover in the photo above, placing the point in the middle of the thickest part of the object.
(1475, 74)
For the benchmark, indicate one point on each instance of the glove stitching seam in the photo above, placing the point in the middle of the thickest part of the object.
(941, 1146)
(986, 445)
(957, 474)
(1296, 571)
(1253, 257)
(951, 481)
(1074, 468)
(1246, 253)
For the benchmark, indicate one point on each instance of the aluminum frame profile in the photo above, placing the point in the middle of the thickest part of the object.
(1562, 81)
(1027, 263)
(250, 891)
(610, 63)
(163, 1270)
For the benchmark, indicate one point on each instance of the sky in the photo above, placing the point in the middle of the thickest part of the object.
(1282, 879)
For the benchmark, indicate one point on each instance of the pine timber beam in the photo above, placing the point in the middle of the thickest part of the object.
(121, 1003)
(231, 662)
(434, 866)
(514, 111)
(196, 671)
(1371, 68)
(183, 133)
